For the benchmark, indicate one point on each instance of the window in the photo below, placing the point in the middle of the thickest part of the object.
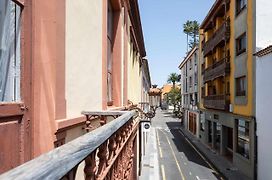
(109, 52)
(195, 59)
(240, 5)
(196, 99)
(241, 44)
(241, 86)
(202, 121)
(10, 54)
(190, 81)
(196, 78)
(243, 138)
(202, 68)
(228, 88)
(190, 63)
(186, 85)
(186, 69)
(202, 92)
(191, 99)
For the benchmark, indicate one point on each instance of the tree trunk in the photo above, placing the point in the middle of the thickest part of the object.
(187, 43)
(174, 87)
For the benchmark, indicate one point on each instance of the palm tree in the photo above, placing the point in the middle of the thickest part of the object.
(195, 31)
(173, 78)
(191, 28)
(187, 29)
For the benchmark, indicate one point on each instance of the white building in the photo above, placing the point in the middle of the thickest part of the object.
(189, 91)
(263, 112)
(264, 88)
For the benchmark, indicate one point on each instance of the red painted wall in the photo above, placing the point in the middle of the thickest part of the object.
(48, 71)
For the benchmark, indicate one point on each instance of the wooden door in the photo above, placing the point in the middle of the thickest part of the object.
(15, 126)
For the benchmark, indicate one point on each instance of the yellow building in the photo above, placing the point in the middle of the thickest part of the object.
(166, 89)
(227, 82)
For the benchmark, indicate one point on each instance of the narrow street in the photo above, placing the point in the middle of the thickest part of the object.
(178, 159)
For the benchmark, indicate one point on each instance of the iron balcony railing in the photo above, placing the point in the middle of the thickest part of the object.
(222, 34)
(219, 102)
(108, 152)
(220, 68)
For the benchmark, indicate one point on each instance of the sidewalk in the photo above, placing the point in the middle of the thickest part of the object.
(150, 164)
(220, 163)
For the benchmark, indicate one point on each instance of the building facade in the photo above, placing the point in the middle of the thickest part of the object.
(55, 63)
(165, 99)
(263, 87)
(146, 81)
(189, 91)
(263, 112)
(227, 82)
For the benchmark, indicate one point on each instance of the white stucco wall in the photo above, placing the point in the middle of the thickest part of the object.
(263, 115)
(83, 56)
(134, 78)
(263, 23)
(134, 74)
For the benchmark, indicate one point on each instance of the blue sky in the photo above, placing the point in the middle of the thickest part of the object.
(165, 42)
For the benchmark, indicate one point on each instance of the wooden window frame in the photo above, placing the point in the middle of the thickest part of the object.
(20, 113)
(240, 50)
(240, 92)
(239, 9)
(110, 56)
(243, 138)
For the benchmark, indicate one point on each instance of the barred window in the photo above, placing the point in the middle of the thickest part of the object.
(243, 138)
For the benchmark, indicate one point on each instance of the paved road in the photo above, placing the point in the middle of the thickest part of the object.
(178, 159)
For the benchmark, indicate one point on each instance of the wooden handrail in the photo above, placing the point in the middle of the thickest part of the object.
(60, 161)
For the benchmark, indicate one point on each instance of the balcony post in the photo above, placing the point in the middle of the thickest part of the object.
(90, 166)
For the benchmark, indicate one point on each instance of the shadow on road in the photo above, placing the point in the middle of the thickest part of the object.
(169, 114)
(183, 146)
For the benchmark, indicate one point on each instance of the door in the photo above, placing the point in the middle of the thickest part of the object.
(14, 88)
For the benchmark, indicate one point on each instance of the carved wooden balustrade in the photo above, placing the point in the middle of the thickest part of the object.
(220, 102)
(222, 33)
(108, 152)
(220, 68)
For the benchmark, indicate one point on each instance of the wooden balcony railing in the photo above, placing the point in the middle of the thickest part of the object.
(109, 152)
(220, 68)
(219, 102)
(223, 33)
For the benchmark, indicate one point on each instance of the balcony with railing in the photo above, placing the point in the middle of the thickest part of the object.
(110, 151)
(220, 68)
(221, 34)
(219, 102)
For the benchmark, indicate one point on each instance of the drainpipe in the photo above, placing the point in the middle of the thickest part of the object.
(255, 149)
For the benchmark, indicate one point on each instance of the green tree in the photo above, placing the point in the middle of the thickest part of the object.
(194, 33)
(173, 78)
(174, 97)
(191, 29)
(187, 29)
